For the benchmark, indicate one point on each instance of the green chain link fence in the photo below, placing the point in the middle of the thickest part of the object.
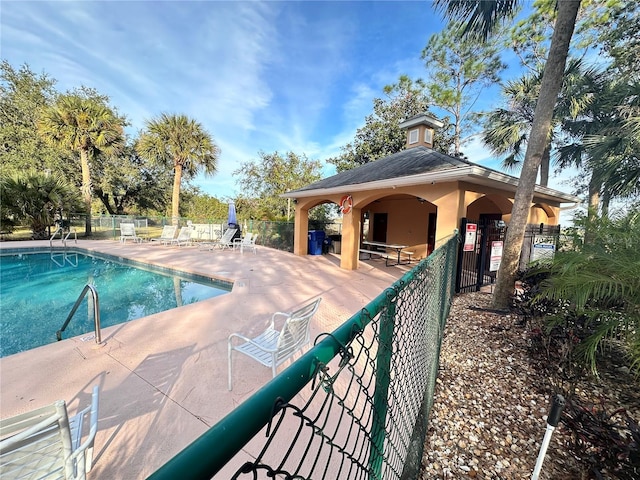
(278, 235)
(354, 406)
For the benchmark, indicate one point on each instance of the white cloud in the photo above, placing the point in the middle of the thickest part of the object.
(269, 76)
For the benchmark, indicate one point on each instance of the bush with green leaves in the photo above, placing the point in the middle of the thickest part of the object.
(33, 198)
(595, 289)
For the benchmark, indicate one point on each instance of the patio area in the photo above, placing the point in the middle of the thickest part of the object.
(163, 378)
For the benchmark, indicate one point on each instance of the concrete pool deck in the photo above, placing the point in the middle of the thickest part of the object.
(163, 378)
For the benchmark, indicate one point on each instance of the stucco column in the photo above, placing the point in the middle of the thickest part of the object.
(351, 225)
(301, 232)
(451, 209)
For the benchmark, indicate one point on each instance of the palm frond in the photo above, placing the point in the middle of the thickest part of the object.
(480, 17)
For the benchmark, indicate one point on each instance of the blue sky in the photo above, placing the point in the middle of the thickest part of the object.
(270, 76)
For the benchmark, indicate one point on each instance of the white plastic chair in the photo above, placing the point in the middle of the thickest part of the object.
(226, 241)
(166, 237)
(183, 238)
(246, 242)
(46, 443)
(252, 244)
(128, 230)
(273, 347)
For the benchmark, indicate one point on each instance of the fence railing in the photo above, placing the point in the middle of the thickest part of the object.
(354, 406)
(277, 235)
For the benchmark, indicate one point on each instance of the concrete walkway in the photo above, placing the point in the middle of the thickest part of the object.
(163, 378)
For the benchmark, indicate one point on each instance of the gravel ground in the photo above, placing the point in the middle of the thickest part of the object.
(491, 404)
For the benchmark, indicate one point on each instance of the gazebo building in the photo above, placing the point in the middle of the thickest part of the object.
(416, 198)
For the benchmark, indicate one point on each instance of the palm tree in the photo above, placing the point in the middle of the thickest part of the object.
(183, 143)
(86, 126)
(34, 197)
(506, 130)
(613, 148)
(481, 17)
(605, 139)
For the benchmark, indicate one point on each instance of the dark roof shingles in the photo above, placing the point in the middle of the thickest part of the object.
(412, 161)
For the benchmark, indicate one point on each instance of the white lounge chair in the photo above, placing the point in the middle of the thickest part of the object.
(166, 237)
(128, 230)
(273, 347)
(248, 242)
(183, 238)
(46, 443)
(226, 241)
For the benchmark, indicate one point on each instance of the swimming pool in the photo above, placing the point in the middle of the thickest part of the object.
(39, 289)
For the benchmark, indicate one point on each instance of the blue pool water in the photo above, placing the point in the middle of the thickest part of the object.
(38, 291)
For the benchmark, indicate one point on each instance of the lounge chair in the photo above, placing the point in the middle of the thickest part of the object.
(273, 347)
(183, 238)
(128, 230)
(246, 242)
(46, 443)
(166, 237)
(226, 241)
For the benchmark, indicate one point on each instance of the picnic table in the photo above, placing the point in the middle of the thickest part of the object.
(387, 246)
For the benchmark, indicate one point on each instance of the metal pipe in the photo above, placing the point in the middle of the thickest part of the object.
(72, 230)
(54, 236)
(552, 422)
(96, 313)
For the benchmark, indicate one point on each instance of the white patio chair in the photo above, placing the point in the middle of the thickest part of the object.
(251, 245)
(226, 241)
(46, 443)
(248, 241)
(183, 238)
(166, 237)
(128, 230)
(273, 347)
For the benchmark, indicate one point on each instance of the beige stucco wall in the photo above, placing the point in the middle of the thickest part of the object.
(407, 221)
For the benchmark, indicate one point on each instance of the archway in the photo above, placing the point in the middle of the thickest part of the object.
(403, 219)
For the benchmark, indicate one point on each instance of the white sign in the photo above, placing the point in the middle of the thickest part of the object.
(543, 252)
(470, 238)
(496, 256)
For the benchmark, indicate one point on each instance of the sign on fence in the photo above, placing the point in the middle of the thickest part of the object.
(496, 256)
(543, 249)
(470, 237)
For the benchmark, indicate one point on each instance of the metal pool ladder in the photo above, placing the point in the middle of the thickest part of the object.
(63, 237)
(96, 312)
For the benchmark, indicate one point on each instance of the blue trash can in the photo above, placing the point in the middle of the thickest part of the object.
(316, 239)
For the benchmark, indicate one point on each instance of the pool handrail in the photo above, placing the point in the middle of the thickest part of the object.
(96, 313)
(75, 235)
(63, 238)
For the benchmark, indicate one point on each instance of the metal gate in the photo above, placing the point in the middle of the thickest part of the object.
(474, 263)
(475, 267)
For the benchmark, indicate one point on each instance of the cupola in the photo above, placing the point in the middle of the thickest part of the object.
(420, 129)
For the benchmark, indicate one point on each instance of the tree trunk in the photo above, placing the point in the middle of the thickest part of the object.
(104, 198)
(592, 212)
(86, 189)
(175, 198)
(544, 166)
(604, 204)
(538, 141)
